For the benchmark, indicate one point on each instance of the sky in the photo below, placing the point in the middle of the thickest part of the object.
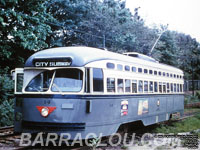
(180, 15)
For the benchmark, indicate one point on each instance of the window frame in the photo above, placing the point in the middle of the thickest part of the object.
(133, 70)
(109, 63)
(125, 85)
(126, 68)
(119, 67)
(136, 83)
(140, 86)
(145, 71)
(119, 87)
(114, 89)
(102, 80)
(140, 70)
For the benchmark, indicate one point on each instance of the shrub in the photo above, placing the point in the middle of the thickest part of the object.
(6, 98)
(6, 86)
(198, 95)
(7, 113)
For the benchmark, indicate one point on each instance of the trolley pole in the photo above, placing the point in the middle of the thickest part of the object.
(104, 41)
(158, 40)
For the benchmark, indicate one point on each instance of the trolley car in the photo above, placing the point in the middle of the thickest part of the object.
(89, 90)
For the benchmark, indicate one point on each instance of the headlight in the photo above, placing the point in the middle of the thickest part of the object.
(45, 112)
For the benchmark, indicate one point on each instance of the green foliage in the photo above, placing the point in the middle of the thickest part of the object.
(192, 98)
(6, 86)
(187, 125)
(188, 55)
(7, 113)
(6, 98)
(108, 23)
(23, 27)
(98, 24)
(167, 49)
(198, 95)
(179, 50)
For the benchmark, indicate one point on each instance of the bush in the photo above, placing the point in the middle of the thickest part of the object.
(6, 98)
(6, 86)
(191, 99)
(7, 113)
(198, 95)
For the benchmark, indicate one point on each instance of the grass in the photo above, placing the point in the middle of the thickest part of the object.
(191, 110)
(189, 98)
(187, 125)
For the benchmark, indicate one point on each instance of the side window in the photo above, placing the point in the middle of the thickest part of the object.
(110, 84)
(150, 72)
(140, 86)
(97, 80)
(181, 87)
(164, 87)
(174, 76)
(172, 89)
(155, 72)
(170, 75)
(127, 68)
(110, 65)
(134, 86)
(145, 71)
(155, 86)
(160, 87)
(119, 67)
(168, 89)
(177, 87)
(134, 69)
(120, 86)
(146, 86)
(163, 73)
(151, 86)
(20, 79)
(167, 74)
(159, 73)
(140, 70)
(128, 85)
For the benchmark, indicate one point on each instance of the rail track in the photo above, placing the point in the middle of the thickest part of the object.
(6, 131)
(10, 140)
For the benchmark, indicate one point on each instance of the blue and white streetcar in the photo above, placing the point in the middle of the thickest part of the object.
(89, 90)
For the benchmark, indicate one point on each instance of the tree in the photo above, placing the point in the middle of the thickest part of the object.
(166, 50)
(68, 15)
(23, 28)
(188, 57)
(96, 23)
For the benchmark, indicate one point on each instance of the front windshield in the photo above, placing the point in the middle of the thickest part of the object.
(41, 82)
(67, 80)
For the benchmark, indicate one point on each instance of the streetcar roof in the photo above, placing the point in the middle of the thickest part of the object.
(81, 56)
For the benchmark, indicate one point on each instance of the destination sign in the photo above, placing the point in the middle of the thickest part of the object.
(52, 62)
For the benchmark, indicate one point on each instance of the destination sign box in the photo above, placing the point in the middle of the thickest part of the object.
(56, 62)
